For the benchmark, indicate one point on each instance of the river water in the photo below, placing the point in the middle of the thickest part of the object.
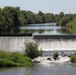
(52, 68)
(40, 69)
(45, 29)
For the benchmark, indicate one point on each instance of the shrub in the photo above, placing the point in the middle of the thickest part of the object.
(73, 58)
(55, 55)
(31, 50)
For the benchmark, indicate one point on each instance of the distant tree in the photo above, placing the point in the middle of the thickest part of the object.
(40, 13)
(22, 19)
(61, 14)
(11, 15)
(2, 22)
(64, 19)
(56, 17)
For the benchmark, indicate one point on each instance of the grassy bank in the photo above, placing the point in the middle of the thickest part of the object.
(13, 59)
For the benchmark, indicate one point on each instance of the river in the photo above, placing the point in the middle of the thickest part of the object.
(45, 29)
(52, 68)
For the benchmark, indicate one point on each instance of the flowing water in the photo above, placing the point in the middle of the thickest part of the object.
(18, 43)
(53, 44)
(44, 68)
(52, 68)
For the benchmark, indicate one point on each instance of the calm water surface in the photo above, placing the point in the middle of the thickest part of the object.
(39, 69)
(44, 29)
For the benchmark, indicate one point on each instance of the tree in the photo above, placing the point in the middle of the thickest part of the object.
(2, 22)
(11, 15)
(22, 19)
(31, 50)
(61, 14)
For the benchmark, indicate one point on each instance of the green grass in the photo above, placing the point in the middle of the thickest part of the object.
(13, 59)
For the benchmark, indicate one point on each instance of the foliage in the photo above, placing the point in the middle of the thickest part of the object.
(31, 50)
(71, 26)
(72, 23)
(12, 59)
(11, 18)
(55, 55)
(73, 58)
(63, 19)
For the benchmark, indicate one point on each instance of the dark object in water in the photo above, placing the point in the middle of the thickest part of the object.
(49, 59)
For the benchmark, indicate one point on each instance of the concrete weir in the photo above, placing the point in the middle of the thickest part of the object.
(68, 36)
(45, 42)
(56, 42)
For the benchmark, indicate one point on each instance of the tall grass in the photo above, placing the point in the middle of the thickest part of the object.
(13, 59)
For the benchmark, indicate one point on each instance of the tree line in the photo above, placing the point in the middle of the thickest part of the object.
(64, 19)
(11, 18)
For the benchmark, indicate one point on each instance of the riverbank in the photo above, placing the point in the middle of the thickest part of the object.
(13, 59)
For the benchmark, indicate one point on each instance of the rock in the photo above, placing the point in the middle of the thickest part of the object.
(49, 59)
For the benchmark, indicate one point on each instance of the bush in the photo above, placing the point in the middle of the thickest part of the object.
(55, 55)
(73, 58)
(31, 50)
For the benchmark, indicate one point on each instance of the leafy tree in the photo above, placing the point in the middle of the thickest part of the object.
(2, 22)
(11, 15)
(38, 18)
(56, 17)
(65, 19)
(22, 19)
(61, 14)
(31, 50)
(40, 13)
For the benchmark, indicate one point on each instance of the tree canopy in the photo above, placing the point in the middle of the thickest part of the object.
(11, 18)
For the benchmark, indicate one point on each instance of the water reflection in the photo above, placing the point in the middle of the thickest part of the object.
(44, 29)
(63, 31)
(40, 31)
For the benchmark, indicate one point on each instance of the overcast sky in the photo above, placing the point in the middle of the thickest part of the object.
(46, 6)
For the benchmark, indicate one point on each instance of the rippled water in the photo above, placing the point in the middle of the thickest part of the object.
(39, 69)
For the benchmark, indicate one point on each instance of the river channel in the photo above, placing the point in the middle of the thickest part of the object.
(52, 68)
(45, 29)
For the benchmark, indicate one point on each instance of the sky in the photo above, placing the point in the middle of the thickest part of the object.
(46, 6)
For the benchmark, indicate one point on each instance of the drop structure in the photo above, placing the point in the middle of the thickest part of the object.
(45, 42)
(56, 42)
